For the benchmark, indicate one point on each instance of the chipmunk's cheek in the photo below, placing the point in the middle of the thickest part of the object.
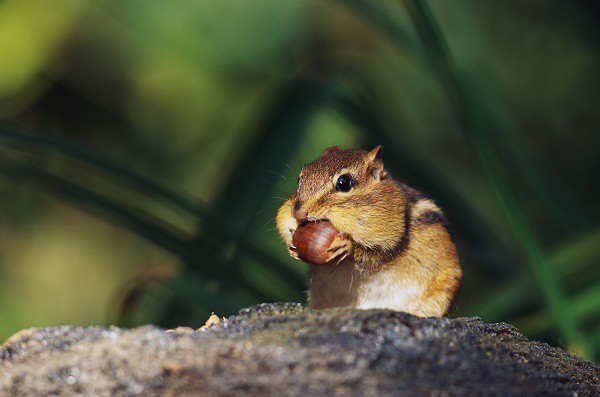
(346, 217)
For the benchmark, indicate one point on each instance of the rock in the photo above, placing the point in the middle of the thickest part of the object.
(286, 349)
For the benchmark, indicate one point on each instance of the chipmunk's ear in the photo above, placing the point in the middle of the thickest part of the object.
(375, 164)
(330, 150)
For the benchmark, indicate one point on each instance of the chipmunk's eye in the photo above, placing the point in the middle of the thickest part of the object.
(344, 183)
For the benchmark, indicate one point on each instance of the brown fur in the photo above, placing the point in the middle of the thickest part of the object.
(394, 249)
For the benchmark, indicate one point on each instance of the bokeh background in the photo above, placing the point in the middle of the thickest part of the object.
(145, 147)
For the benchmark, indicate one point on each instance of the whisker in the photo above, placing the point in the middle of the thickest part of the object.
(335, 269)
(267, 223)
(282, 192)
(278, 174)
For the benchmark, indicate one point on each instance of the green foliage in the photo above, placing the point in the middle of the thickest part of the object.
(183, 137)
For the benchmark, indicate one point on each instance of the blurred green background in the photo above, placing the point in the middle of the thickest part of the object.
(145, 147)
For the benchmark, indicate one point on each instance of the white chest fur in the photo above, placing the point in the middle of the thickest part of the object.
(386, 290)
(345, 286)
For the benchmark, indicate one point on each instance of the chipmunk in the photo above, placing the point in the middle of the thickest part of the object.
(393, 250)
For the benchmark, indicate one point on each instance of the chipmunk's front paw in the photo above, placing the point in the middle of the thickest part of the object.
(340, 248)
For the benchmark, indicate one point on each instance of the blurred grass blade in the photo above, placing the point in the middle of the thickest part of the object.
(584, 305)
(294, 281)
(577, 253)
(277, 135)
(14, 135)
(143, 224)
(17, 135)
(551, 193)
(275, 138)
(381, 17)
(567, 261)
(476, 127)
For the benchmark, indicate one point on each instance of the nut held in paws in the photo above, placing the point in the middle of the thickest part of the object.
(312, 240)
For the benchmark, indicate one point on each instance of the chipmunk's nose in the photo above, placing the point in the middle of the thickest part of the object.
(299, 212)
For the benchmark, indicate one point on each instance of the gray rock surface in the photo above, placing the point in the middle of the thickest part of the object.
(288, 350)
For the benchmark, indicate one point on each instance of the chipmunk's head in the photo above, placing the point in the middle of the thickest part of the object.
(352, 190)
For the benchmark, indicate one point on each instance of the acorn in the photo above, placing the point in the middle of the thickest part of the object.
(313, 239)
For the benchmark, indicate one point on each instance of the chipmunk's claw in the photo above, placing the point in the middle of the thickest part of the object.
(340, 248)
(293, 253)
(291, 248)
